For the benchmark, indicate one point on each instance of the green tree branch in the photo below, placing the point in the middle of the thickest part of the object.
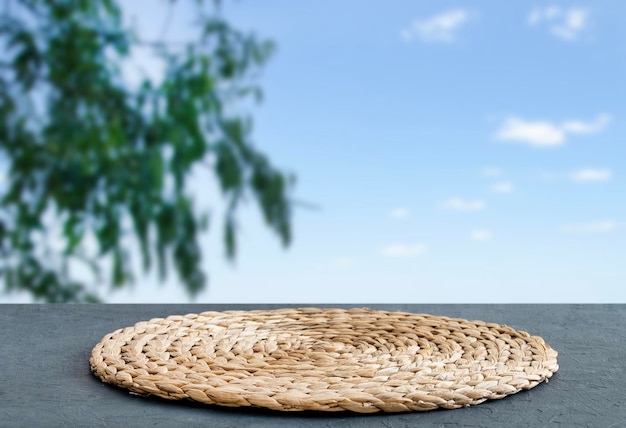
(99, 151)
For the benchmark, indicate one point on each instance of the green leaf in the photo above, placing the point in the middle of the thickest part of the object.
(229, 238)
(227, 168)
(82, 145)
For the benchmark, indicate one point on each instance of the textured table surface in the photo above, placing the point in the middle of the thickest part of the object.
(46, 380)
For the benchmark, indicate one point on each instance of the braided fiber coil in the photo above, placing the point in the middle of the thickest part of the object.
(332, 360)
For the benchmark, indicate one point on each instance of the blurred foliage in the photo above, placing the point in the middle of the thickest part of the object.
(81, 145)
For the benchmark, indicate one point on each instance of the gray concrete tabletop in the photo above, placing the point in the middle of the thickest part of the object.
(46, 379)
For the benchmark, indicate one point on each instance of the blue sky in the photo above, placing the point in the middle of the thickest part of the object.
(458, 152)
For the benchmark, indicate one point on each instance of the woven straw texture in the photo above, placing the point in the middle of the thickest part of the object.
(332, 360)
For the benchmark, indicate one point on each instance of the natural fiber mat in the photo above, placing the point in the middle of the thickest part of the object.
(323, 359)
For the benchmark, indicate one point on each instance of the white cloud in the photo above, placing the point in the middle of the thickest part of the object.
(534, 133)
(404, 251)
(579, 127)
(438, 28)
(481, 235)
(574, 23)
(591, 227)
(399, 213)
(566, 24)
(547, 134)
(590, 174)
(464, 205)
(491, 172)
(503, 188)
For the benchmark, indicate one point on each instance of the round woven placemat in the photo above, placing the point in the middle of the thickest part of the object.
(323, 359)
